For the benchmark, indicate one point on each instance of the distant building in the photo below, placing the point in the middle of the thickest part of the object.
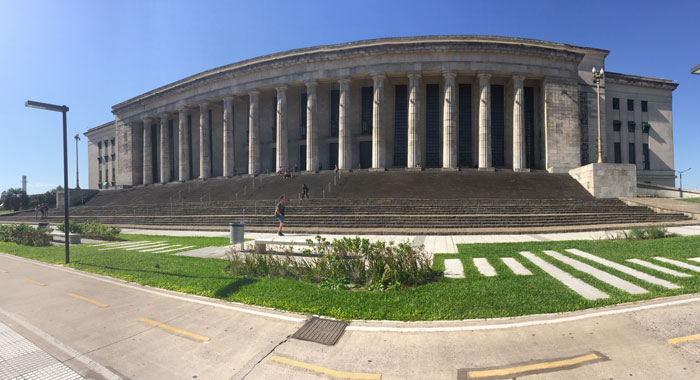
(24, 183)
(437, 102)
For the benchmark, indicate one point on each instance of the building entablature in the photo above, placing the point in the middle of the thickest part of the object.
(636, 80)
(463, 54)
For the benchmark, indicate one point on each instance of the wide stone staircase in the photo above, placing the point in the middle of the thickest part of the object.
(395, 202)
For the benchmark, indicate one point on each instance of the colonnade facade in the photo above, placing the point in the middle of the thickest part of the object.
(172, 142)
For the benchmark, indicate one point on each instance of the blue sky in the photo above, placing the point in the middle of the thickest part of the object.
(90, 55)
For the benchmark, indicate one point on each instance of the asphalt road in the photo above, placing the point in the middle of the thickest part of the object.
(104, 328)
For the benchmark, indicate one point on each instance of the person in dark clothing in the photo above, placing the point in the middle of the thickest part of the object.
(279, 213)
(305, 192)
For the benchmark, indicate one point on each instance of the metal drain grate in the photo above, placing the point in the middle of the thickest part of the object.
(324, 331)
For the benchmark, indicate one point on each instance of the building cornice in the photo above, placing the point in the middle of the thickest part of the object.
(636, 80)
(99, 128)
(363, 48)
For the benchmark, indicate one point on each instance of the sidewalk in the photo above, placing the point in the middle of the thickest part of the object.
(433, 244)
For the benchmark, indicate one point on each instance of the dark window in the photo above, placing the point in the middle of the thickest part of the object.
(646, 127)
(630, 105)
(171, 149)
(630, 126)
(529, 111)
(274, 120)
(367, 97)
(189, 145)
(632, 154)
(645, 156)
(302, 157)
(333, 154)
(618, 153)
(432, 126)
(645, 106)
(616, 103)
(112, 142)
(99, 179)
(335, 113)
(114, 176)
(617, 125)
(400, 125)
(465, 125)
(106, 175)
(302, 117)
(106, 144)
(497, 125)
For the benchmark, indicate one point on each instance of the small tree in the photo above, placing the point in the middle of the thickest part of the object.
(15, 199)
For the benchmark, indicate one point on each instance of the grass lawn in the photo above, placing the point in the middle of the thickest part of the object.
(693, 200)
(473, 297)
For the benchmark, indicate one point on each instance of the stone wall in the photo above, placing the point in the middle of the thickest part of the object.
(563, 136)
(75, 197)
(607, 180)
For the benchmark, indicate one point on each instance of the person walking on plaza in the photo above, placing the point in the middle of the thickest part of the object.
(305, 192)
(279, 213)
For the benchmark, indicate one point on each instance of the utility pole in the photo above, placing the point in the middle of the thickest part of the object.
(77, 173)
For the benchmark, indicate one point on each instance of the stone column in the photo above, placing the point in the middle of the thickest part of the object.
(484, 122)
(518, 125)
(147, 154)
(414, 151)
(204, 153)
(228, 137)
(184, 159)
(378, 131)
(344, 132)
(253, 148)
(449, 130)
(311, 128)
(281, 151)
(164, 150)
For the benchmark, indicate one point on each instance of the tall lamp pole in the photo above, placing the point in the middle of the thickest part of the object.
(597, 75)
(680, 172)
(64, 110)
(77, 172)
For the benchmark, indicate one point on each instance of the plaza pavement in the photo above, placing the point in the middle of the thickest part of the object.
(433, 243)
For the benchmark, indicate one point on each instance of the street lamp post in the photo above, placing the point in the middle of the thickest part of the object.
(64, 110)
(680, 172)
(77, 172)
(597, 75)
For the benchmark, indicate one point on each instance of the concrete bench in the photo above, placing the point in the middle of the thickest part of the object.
(262, 244)
(60, 235)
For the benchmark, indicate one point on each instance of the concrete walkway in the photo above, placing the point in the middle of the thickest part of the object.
(433, 244)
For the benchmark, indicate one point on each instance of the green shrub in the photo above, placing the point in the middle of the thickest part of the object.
(343, 263)
(644, 233)
(92, 230)
(25, 234)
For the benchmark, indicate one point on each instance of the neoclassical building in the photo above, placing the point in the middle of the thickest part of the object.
(445, 102)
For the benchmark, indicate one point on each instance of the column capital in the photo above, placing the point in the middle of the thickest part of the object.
(282, 88)
(146, 119)
(518, 77)
(228, 98)
(414, 76)
(164, 117)
(449, 75)
(344, 81)
(310, 84)
(204, 105)
(183, 109)
(378, 76)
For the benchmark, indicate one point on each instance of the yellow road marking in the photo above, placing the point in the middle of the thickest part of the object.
(327, 371)
(100, 304)
(512, 371)
(175, 330)
(684, 339)
(33, 281)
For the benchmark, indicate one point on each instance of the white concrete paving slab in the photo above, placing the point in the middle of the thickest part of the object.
(209, 252)
(143, 245)
(146, 246)
(586, 291)
(658, 268)
(483, 266)
(599, 274)
(454, 268)
(177, 249)
(158, 249)
(678, 263)
(515, 266)
(624, 269)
